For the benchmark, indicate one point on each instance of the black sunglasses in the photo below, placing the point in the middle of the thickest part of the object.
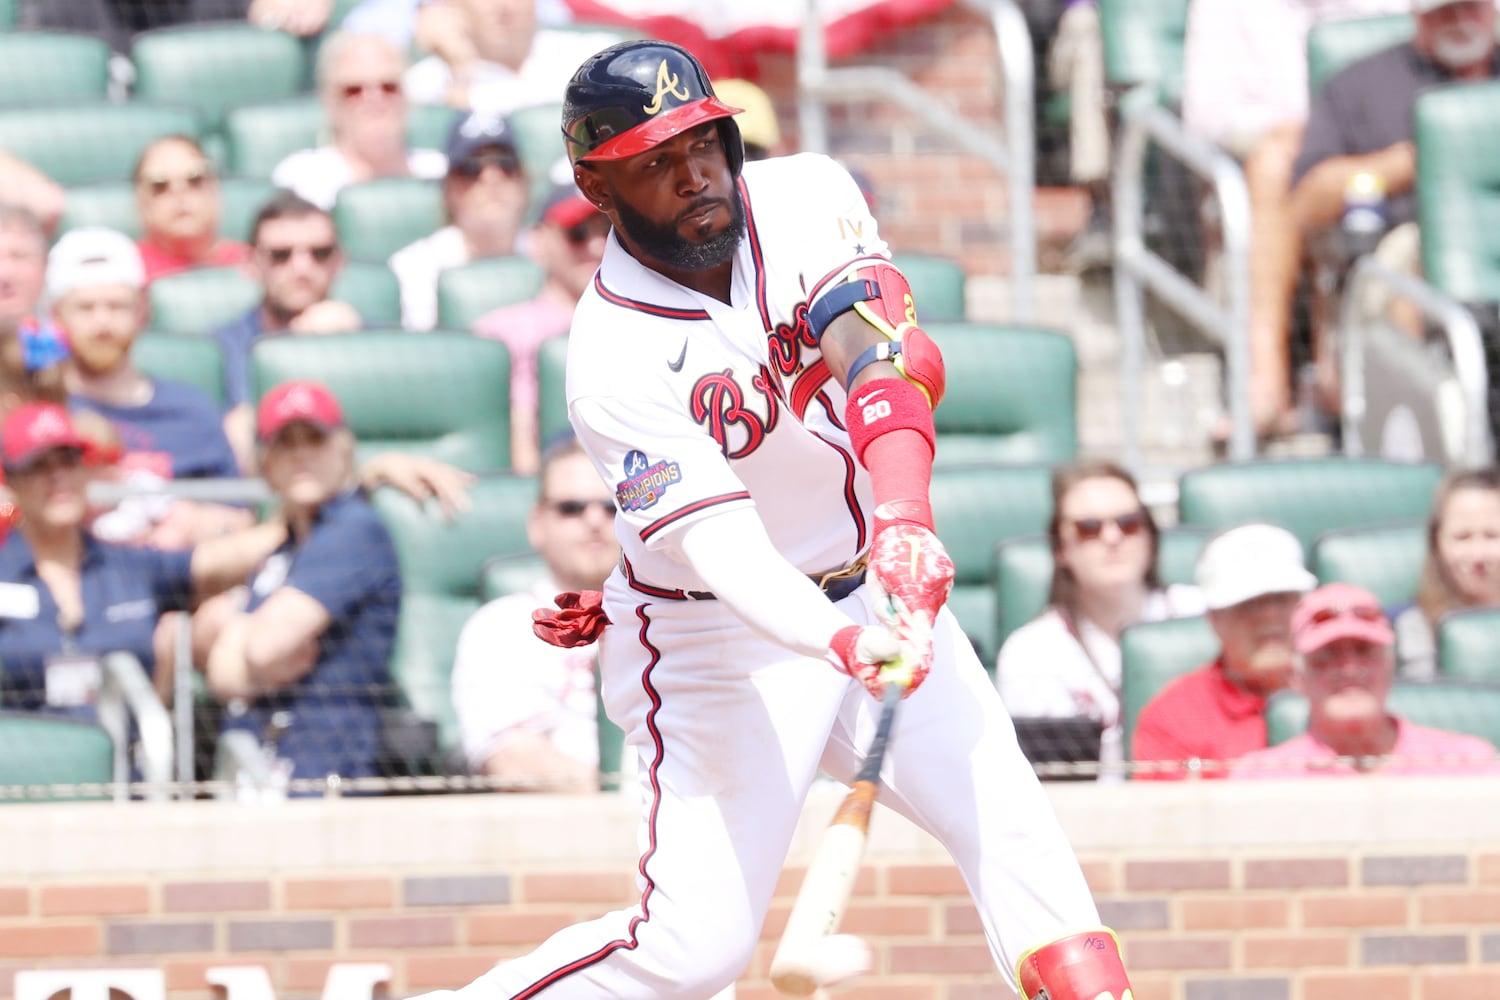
(472, 166)
(577, 508)
(321, 254)
(1090, 528)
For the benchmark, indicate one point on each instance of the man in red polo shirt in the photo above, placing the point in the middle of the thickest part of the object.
(1251, 577)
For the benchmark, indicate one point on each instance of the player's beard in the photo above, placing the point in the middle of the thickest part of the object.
(664, 245)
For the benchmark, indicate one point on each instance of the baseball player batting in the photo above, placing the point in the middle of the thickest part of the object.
(748, 372)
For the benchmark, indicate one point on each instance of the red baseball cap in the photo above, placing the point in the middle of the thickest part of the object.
(566, 207)
(35, 429)
(299, 401)
(1339, 611)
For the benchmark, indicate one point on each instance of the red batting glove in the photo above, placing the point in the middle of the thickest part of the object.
(873, 655)
(910, 577)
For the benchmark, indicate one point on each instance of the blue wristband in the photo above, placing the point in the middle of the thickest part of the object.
(886, 350)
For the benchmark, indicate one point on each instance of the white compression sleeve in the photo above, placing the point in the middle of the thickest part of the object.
(734, 556)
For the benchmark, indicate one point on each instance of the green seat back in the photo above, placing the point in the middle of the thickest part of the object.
(259, 136)
(372, 290)
(38, 750)
(1385, 559)
(1011, 394)
(1458, 190)
(552, 396)
(440, 573)
(40, 66)
(87, 142)
(1153, 654)
(377, 218)
(196, 360)
(1143, 45)
(1458, 707)
(937, 286)
(428, 125)
(1023, 572)
(539, 140)
(216, 66)
(1334, 45)
(1306, 496)
(975, 508)
(439, 394)
(198, 301)
(112, 204)
(510, 573)
(468, 292)
(1468, 645)
(8, 13)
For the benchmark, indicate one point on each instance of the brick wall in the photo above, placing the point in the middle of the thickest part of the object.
(1219, 893)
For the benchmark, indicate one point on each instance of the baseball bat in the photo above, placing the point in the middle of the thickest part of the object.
(829, 881)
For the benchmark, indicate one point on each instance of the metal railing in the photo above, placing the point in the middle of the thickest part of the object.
(1138, 269)
(1015, 156)
(127, 695)
(1465, 347)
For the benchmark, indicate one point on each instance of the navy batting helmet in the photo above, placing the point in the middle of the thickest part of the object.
(634, 95)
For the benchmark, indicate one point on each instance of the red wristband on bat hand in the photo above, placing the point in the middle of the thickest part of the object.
(890, 426)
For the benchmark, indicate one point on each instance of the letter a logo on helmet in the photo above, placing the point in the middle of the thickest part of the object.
(635, 95)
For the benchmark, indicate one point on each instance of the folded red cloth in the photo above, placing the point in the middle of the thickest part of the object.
(577, 620)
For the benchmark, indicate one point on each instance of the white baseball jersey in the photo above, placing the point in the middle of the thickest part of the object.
(688, 406)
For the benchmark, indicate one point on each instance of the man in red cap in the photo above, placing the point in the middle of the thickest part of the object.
(1348, 663)
(568, 242)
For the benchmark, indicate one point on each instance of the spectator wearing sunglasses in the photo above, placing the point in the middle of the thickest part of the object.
(1462, 567)
(295, 256)
(527, 709)
(484, 194)
(1348, 664)
(1252, 577)
(568, 242)
(1066, 662)
(359, 79)
(177, 196)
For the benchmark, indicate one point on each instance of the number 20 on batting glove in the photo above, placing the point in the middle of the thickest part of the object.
(873, 655)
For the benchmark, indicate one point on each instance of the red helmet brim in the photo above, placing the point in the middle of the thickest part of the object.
(661, 128)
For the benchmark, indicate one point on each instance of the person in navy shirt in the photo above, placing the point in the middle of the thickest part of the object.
(165, 429)
(66, 599)
(313, 633)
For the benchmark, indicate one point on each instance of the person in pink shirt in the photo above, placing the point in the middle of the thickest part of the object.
(180, 205)
(568, 241)
(1348, 663)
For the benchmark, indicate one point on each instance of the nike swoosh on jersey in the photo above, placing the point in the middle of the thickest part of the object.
(676, 366)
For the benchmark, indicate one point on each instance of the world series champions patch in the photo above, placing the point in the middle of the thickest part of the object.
(645, 481)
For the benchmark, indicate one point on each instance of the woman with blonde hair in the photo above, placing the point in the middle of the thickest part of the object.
(1066, 662)
(1462, 569)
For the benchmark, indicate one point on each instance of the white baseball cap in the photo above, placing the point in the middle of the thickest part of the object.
(1250, 561)
(92, 256)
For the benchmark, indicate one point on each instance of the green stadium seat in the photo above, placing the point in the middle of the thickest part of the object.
(975, 508)
(40, 750)
(1458, 707)
(510, 573)
(539, 140)
(372, 290)
(198, 301)
(377, 218)
(1144, 43)
(440, 574)
(1011, 397)
(196, 360)
(1334, 45)
(1468, 645)
(217, 66)
(937, 286)
(439, 394)
(1458, 190)
(1152, 655)
(468, 292)
(1306, 496)
(112, 204)
(75, 143)
(1023, 572)
(428, 125)
(8, 14)
(259, 136)
(552, 397)
(42, 66)
(1385, 559)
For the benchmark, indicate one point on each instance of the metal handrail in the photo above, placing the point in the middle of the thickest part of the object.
(1138, 268)
(1015, 156)
(1465, 347)
(127, 693)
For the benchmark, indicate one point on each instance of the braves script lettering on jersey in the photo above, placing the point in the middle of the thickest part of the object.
(692, 408)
